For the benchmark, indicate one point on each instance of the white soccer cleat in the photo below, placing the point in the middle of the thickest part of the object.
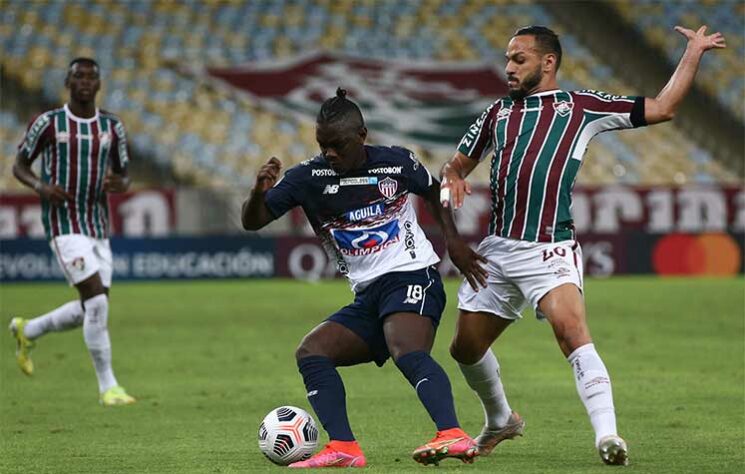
(489, 439)
(613, 450)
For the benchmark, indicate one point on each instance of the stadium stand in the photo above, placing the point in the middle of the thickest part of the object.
(10, 134)
(211, 136)
(722, 75)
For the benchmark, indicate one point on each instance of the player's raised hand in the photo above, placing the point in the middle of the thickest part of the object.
(54, 194)
(699, 39)
(268, 174)
(470, 263)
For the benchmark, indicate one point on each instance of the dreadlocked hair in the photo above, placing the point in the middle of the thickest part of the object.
(340, 109)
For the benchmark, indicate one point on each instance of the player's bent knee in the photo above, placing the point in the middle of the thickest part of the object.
(399, 351)
(466, 353)
(77, 319)
(570, 344)
(303, 351)
(310, 346)
(571, 336)
(571, 330)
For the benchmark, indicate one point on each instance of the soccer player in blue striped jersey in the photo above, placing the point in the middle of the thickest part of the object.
(357, 199)
(537, 138)
(84, 156)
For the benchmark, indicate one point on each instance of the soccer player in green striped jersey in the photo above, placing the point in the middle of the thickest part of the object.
(537, 138)
(84, 156)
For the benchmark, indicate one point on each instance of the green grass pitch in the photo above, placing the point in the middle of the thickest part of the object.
(207, 360)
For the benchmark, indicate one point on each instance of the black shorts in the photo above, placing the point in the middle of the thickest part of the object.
(418, 291)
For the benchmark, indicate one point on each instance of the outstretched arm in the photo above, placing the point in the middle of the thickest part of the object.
(254, 213)
(663, 107)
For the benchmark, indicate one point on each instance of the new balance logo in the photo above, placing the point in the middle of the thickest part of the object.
(331, 189)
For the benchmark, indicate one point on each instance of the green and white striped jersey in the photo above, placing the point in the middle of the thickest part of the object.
(76, 155)
(537, 145)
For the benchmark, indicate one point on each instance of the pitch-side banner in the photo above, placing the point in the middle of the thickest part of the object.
(425, 103)
(713, 254)
(150, 259)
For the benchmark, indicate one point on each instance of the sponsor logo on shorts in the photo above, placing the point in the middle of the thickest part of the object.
(563, 272)
(560, 268)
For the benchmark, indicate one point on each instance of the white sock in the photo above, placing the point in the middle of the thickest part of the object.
(67, 316)
(594, 388)
(483, 378)
(96, 335)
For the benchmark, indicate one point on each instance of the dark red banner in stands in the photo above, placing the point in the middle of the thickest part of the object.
(142, 213)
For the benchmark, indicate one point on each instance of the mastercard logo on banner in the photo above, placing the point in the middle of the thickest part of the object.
(704, 254)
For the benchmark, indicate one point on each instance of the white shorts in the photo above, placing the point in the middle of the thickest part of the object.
(81, 256)
(521, 272)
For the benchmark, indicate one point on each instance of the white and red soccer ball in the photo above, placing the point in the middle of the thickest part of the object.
(288, 434)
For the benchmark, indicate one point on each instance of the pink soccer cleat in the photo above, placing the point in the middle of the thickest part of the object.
(334, 454)
(489, 439)
(452, 443)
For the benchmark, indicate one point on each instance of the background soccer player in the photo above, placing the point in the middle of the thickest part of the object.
(538, 136)
(356, 197)
(84, 156)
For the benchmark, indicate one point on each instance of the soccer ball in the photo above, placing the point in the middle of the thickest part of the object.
(288, 434)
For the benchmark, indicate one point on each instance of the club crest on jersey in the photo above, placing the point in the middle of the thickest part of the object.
(63, 137)
(563, 108)
(105, 138)
(388, 187)
(366, 241)
(365, 212)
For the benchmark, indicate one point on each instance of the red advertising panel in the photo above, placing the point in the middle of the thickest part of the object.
(148, 212)
(614, 209)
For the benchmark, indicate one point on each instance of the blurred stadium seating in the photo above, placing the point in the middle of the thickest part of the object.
(211, 136)
(724, 74)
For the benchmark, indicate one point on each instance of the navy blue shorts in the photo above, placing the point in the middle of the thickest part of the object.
(418, 291)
